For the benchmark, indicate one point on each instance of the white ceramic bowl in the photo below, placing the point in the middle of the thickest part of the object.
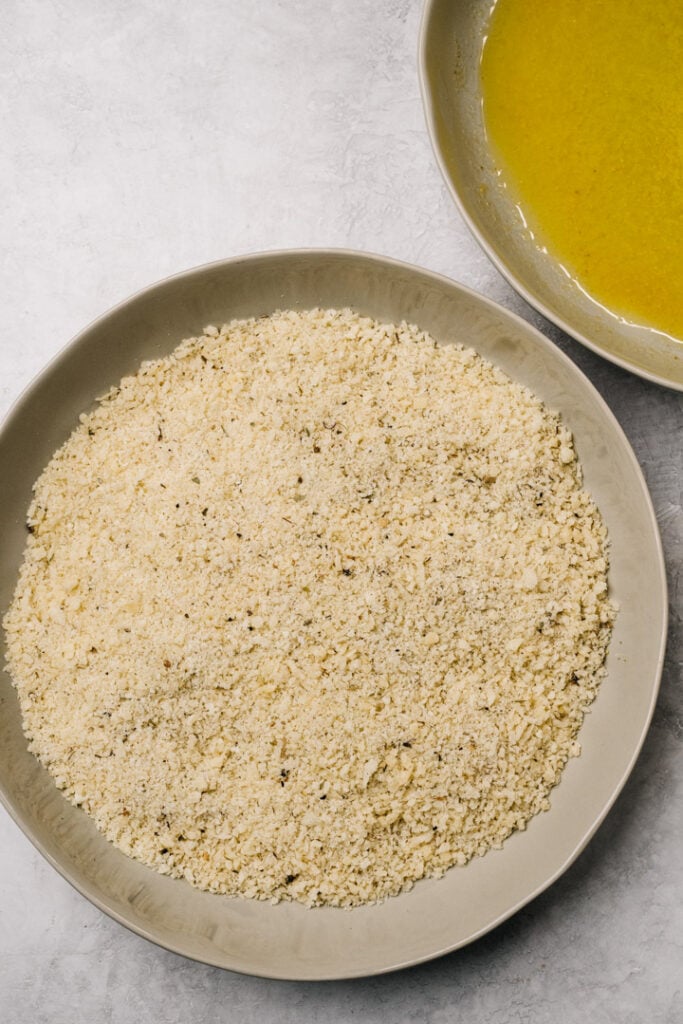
(289, 941)
(450, 52)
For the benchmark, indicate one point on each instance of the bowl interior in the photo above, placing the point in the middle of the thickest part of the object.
(288, 940)
(453, 31)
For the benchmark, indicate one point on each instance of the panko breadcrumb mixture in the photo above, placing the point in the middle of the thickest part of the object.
(311, 609)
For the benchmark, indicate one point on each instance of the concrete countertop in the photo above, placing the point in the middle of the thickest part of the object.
(142, 139)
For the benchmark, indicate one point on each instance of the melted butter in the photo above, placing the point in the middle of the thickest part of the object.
(583, 106)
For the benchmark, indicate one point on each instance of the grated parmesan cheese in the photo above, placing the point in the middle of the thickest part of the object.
(310, 609)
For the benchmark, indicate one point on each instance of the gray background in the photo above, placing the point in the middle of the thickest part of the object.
(140, 139)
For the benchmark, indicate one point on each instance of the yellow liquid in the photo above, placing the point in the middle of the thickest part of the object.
(583, 107)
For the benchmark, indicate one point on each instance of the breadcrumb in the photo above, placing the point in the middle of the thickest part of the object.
(311, 609)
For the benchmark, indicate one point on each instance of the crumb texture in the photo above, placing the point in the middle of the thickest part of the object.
(311, 609)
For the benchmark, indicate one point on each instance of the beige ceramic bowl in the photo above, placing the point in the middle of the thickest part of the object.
(289, 941)
(450, 50)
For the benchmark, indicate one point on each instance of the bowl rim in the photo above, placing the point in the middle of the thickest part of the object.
(83, 885)
(487, 245)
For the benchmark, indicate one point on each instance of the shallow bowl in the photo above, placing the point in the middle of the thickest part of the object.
(287, 940)
(451, 43)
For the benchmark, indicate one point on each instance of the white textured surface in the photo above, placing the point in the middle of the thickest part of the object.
(141, 139)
